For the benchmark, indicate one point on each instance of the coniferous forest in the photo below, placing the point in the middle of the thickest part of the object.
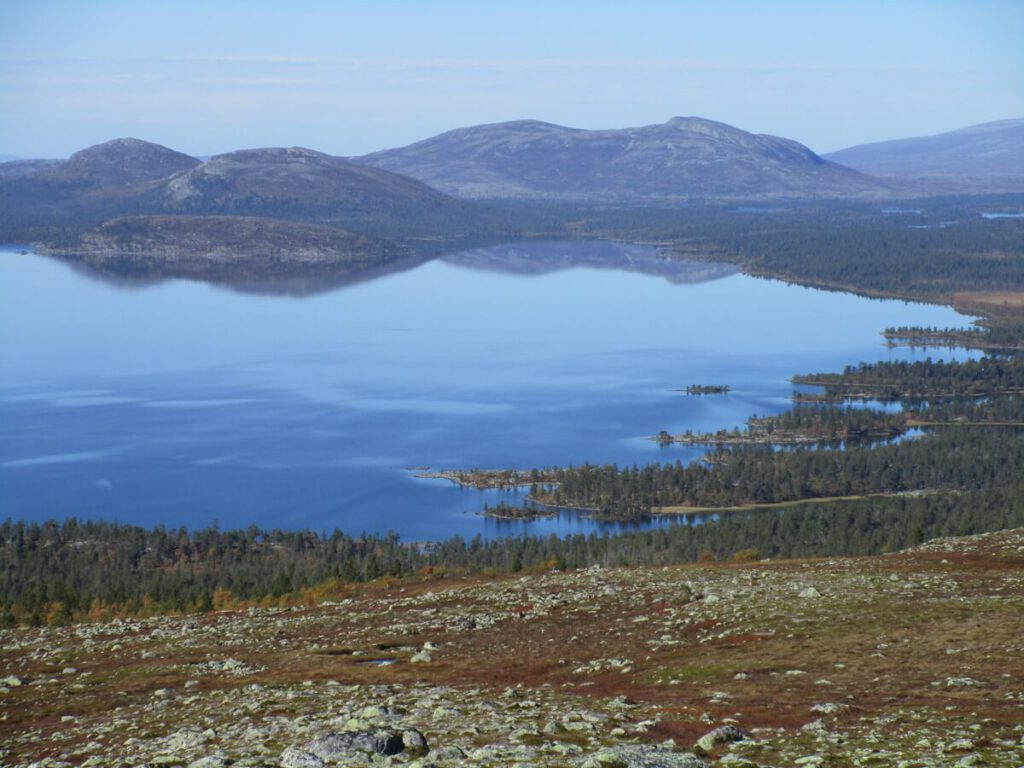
(964, 475)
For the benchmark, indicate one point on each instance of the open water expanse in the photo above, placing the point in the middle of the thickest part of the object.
(183, 403)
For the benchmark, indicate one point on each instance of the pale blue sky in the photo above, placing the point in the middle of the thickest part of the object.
(353, 77)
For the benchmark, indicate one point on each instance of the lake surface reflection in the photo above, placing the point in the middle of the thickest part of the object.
(184, 404)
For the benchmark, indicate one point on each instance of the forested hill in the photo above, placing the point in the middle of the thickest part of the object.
(940, 249)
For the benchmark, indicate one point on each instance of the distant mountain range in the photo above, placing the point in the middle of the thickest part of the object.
(132, 204)
(121, 202)
(984, 158)
(687, 158)
(303, 185)
(128, 176)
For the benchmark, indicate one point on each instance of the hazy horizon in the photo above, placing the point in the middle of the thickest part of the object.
(357, 77)
(5, 156)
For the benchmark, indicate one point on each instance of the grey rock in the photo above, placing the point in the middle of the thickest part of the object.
(293, 757)
(962, 682)
(414, 743)
(210, 761)
(449, 752)
(829, 708)
(725, 734)
(642, 756)
(335, 746)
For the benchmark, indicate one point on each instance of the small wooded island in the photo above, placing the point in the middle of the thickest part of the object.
(503, 511)
(706, 389)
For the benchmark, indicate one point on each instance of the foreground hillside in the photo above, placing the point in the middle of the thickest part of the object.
(909, 659)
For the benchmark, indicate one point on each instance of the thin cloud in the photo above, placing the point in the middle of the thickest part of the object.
(263, 80)
(506, 63)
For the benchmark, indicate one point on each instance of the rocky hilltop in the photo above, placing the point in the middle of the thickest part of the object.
(910, 659)
(983, 158)
(141, 210)
(122, 163)
(304, 185)
(44, 199)
(117, 169)
(684, 159)
(222, 248)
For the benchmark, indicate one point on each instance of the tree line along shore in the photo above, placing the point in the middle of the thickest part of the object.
(964, 475)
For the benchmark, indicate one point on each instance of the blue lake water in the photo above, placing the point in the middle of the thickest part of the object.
(183, 403)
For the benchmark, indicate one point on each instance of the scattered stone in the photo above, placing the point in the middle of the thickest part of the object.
(829, 708)
(210, 761)
(293, 757)
(414, 743)
(737, 761)
(960, 745)
(725, 734)
(212, 719)
(643, 756)
(963, 682)
(337, 746)
(449, 752)
(970, 760)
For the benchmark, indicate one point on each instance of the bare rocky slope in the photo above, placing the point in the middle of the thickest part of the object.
(142, 210)
(684, 159)
(909, 659)
(42, 197)
(114, 166)
(47, 199)
(304, 185)
(987, 157)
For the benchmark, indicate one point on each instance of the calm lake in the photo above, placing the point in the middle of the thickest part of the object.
(183, 403)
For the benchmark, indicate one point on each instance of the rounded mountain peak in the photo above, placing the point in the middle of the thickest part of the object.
(701, 125)
(127, 161)
(273, 155)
